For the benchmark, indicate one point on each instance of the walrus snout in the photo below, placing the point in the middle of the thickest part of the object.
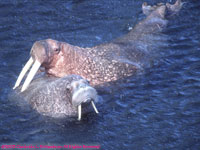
(42, 54)
(84, 95)
(82, 92)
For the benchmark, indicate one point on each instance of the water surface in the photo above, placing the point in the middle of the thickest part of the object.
(157, 109)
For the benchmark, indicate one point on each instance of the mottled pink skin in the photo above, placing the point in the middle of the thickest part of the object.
(106, 62)
(97, 64)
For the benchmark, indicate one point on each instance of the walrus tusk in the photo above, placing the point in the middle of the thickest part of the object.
(23, 72)
(95, 109)
(31, 74)
(79, 112)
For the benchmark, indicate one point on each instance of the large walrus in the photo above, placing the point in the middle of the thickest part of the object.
(103, 63)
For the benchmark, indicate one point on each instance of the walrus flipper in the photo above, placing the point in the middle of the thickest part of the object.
(172, 9)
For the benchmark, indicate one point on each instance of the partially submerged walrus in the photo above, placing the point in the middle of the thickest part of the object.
(61, 97)
(103, 63)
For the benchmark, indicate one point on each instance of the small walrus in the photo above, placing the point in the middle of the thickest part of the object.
(61, 97)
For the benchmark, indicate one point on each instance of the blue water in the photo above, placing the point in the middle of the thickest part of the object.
(157, 109)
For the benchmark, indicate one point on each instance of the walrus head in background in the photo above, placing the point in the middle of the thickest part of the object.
(103, 63)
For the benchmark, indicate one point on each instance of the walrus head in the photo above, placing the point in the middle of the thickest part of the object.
(44, 53)
(82, 92)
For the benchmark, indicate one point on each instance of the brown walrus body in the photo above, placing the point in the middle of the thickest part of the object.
(107, 62)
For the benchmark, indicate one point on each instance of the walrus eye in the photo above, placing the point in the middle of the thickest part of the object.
(57, 50)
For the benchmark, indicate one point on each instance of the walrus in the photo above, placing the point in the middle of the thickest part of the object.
(61, 97)
(171, 9)
(103, 63)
